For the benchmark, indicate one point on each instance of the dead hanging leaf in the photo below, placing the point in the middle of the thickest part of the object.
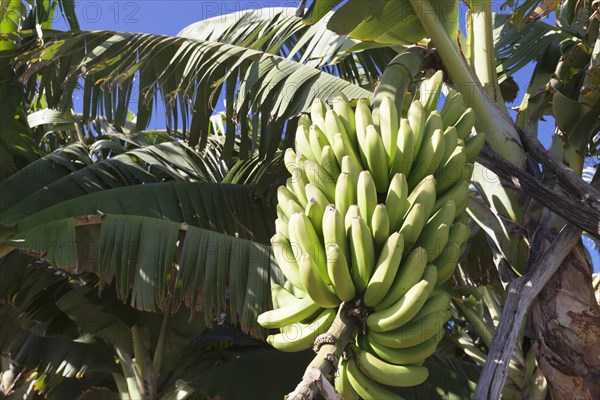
(543, 10)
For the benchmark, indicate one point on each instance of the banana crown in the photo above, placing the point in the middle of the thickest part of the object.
(373, 211)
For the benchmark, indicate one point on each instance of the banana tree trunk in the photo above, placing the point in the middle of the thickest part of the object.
(565, 322)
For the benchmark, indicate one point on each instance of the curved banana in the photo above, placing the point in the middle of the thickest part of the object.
(353, 212)
(458, 193)
(284, 316)
(451, 171)
(434, 236)
(407, 307)
(281, 296)
(350, 167)
(334, 125)
(365, 387)
(430, 91)
(428, 159)
(388, 126)
(450, 143)
(314, 211)
(409, 274)
(366, 195)
(317, 113)
(315, 286)
(339, 273)
(363, 253)
(447, 260)
(303, 235)
(465, 123)
(281, 227)
(416, 119)
(299, 336)
(414, 332)
(405, 149)
(284, 196)
(334, 231)
(317, 140)
(376, 159)
(473, 146)
(329, 162)
(385, 270)
(341, 106)
(318, 176)
(453, 107)
(313, 192)
(424, 193)
(407, 355)
(286, 259)
(302, 141)
(396, 201)
(345, 193)
(343, 148)
(413, 224)
(390, 374)
(363, 119)
(342, 384)
(380, 226)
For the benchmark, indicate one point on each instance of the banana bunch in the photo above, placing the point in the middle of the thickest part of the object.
(373, 210)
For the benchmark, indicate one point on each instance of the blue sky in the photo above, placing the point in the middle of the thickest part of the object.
(169, 17)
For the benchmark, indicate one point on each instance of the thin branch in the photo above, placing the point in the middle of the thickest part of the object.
(520, 294)
(579, 214)
(566, 177)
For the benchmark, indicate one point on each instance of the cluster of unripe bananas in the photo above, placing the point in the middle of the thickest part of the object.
(374, 211)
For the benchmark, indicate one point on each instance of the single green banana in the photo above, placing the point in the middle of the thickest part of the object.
(339, 273)
(286, 259)
(304, 236)
(342, 384)
(451, 171)
(296, 186)
(350, 167)
(366, 387)
(313, 192)
(407, 355)
(281, 227)
(317, 288)
(341, 105)
(363, 254)
(353, 212)
(415, 332)
(363, 119)
(408, 275)
(416, 118)
(424, 193)
(396, 201)
(299, 336)
(380, 226)
(318, 176)
(303, 142)
(293, 207)
(465, 123)
(407, 307)
(376, 159)
(413, 224)
(334, 231)
(281, 214)
(435, 243)
(405, 152)
(446, 262)
(393, 85)
(457, 192)
(453, 107)
(429, 158)
(430, 91)
(385, 270)
(450, 143)
(390, 374)
(389, 126)
(284, 196)
(296, 291)
(366, 195)
(438, 300)
(473, 146)
(343, 148)
(315, 212)
(317, 114)
(287, 315)
(334, 125)
(345, 193)
(317, 140)
(329, 162)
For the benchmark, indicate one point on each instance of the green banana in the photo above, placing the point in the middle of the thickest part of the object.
(286, 259)
(450, 143)
(281, 214)
(376, 159)
(385, 270)
(396, 201)
(390, 374)
(380, 226)
(314, 211)
(342, 384)
(303, 235)
(407, 307)
(281, 227)
(413, 224)
(339, 273)
(424, 193)
(302, 141)
(458, 193)
(405, 151)
(363, 253)
(313, 192)
(365, 387)
(318, 176)
(293, 207)
(343, 148)
(287, 315)
(315, 286)
(407, 355)
(415, 332)
(465, 123)
(453, 107)
(434, 236)
(388, 126)
(447, 260)
(296, 187)
(284, 196)
(299, 336)
(350, 167)
(409, 274)
(393, 86)
(317, 140)
(430, 91)
(428, 159)
(281, 296)
(451, 171)
(473, 146)
(353, 211)
(341, 105)
(334, 231)
(345, 193)
(334, 125)
(363, 119)
(416, 119)
(329, 162)
(317, 114)
(366, 195)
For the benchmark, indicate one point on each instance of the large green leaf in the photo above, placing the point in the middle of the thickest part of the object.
(150, 259)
